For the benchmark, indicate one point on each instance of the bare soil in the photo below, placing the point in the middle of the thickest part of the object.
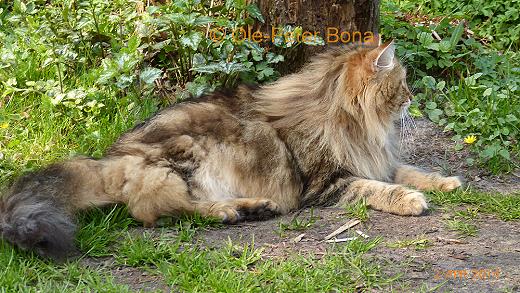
(488, 262)
(433, 150)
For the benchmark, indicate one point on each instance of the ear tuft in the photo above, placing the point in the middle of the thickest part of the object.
(385, 59)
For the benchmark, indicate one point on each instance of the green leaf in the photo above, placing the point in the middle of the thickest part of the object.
(449, 126)
(197, 89)
(433, 46)
(511, 118)
(440, 86)
(487, 92)
(203, 20)
(150, 74)
(431, 105)
(472, 79)
(19, 6)
(489, 152)
(209, 68)
(274, 58)
(505, 154)
(237, 4)
(255, 12)
(124, 81)
(133, 43)
(198, 60)
(191, 40)
(444, 46)
(177, 18)
(257, 55)
(434, 115)
(106, 75)
(265, 73)
(456, 35)
(429, 82)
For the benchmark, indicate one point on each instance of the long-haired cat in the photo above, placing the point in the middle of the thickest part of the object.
(322, 136)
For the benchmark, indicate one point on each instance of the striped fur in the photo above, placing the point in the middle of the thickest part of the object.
(322, 136)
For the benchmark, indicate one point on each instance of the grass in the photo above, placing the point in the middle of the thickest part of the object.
(505, 207)
(463, 227)
(24, 272)
(37, 128)
(416, 243)
(234, 269)
(186, 266)
(358, 210)
(297, 223)
(102, 228)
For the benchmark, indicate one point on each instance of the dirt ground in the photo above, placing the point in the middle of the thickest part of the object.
(432, 149)
(488, 262)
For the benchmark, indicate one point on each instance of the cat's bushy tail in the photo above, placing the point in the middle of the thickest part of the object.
(38, 211)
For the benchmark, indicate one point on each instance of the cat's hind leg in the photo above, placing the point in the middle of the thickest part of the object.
(150, 190)
(155, 190)
(408, 175)
(391, 198)
(239, 209)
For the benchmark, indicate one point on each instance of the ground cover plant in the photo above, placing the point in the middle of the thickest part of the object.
(74, 75)
(464, 64)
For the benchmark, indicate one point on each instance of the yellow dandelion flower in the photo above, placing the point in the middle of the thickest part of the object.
(4, 125)
(470, 139)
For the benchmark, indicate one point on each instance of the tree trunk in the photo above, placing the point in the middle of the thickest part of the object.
(353, 18)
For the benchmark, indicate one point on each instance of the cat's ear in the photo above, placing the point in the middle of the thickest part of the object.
(384, 56)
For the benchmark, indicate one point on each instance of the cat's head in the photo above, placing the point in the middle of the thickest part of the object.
(375, 82)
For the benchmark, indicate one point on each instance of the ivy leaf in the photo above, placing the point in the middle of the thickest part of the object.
(150, 74)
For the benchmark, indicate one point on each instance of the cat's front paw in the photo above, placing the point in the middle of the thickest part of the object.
(413, 204)
(227, 214)
(449, 183)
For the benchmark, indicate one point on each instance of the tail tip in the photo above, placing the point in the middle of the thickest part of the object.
(48, 233)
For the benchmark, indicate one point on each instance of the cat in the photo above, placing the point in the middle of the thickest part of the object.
(322, 136)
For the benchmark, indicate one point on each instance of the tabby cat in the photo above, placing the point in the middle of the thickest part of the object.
(322, 136)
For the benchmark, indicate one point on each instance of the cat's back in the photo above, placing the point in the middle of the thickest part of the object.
(219, 116)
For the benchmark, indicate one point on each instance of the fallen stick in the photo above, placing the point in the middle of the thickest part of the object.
(450, 241)
(362, 234)
(336, 240)
(343, 228)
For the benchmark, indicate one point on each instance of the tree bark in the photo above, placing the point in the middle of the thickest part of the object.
(348, 16)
